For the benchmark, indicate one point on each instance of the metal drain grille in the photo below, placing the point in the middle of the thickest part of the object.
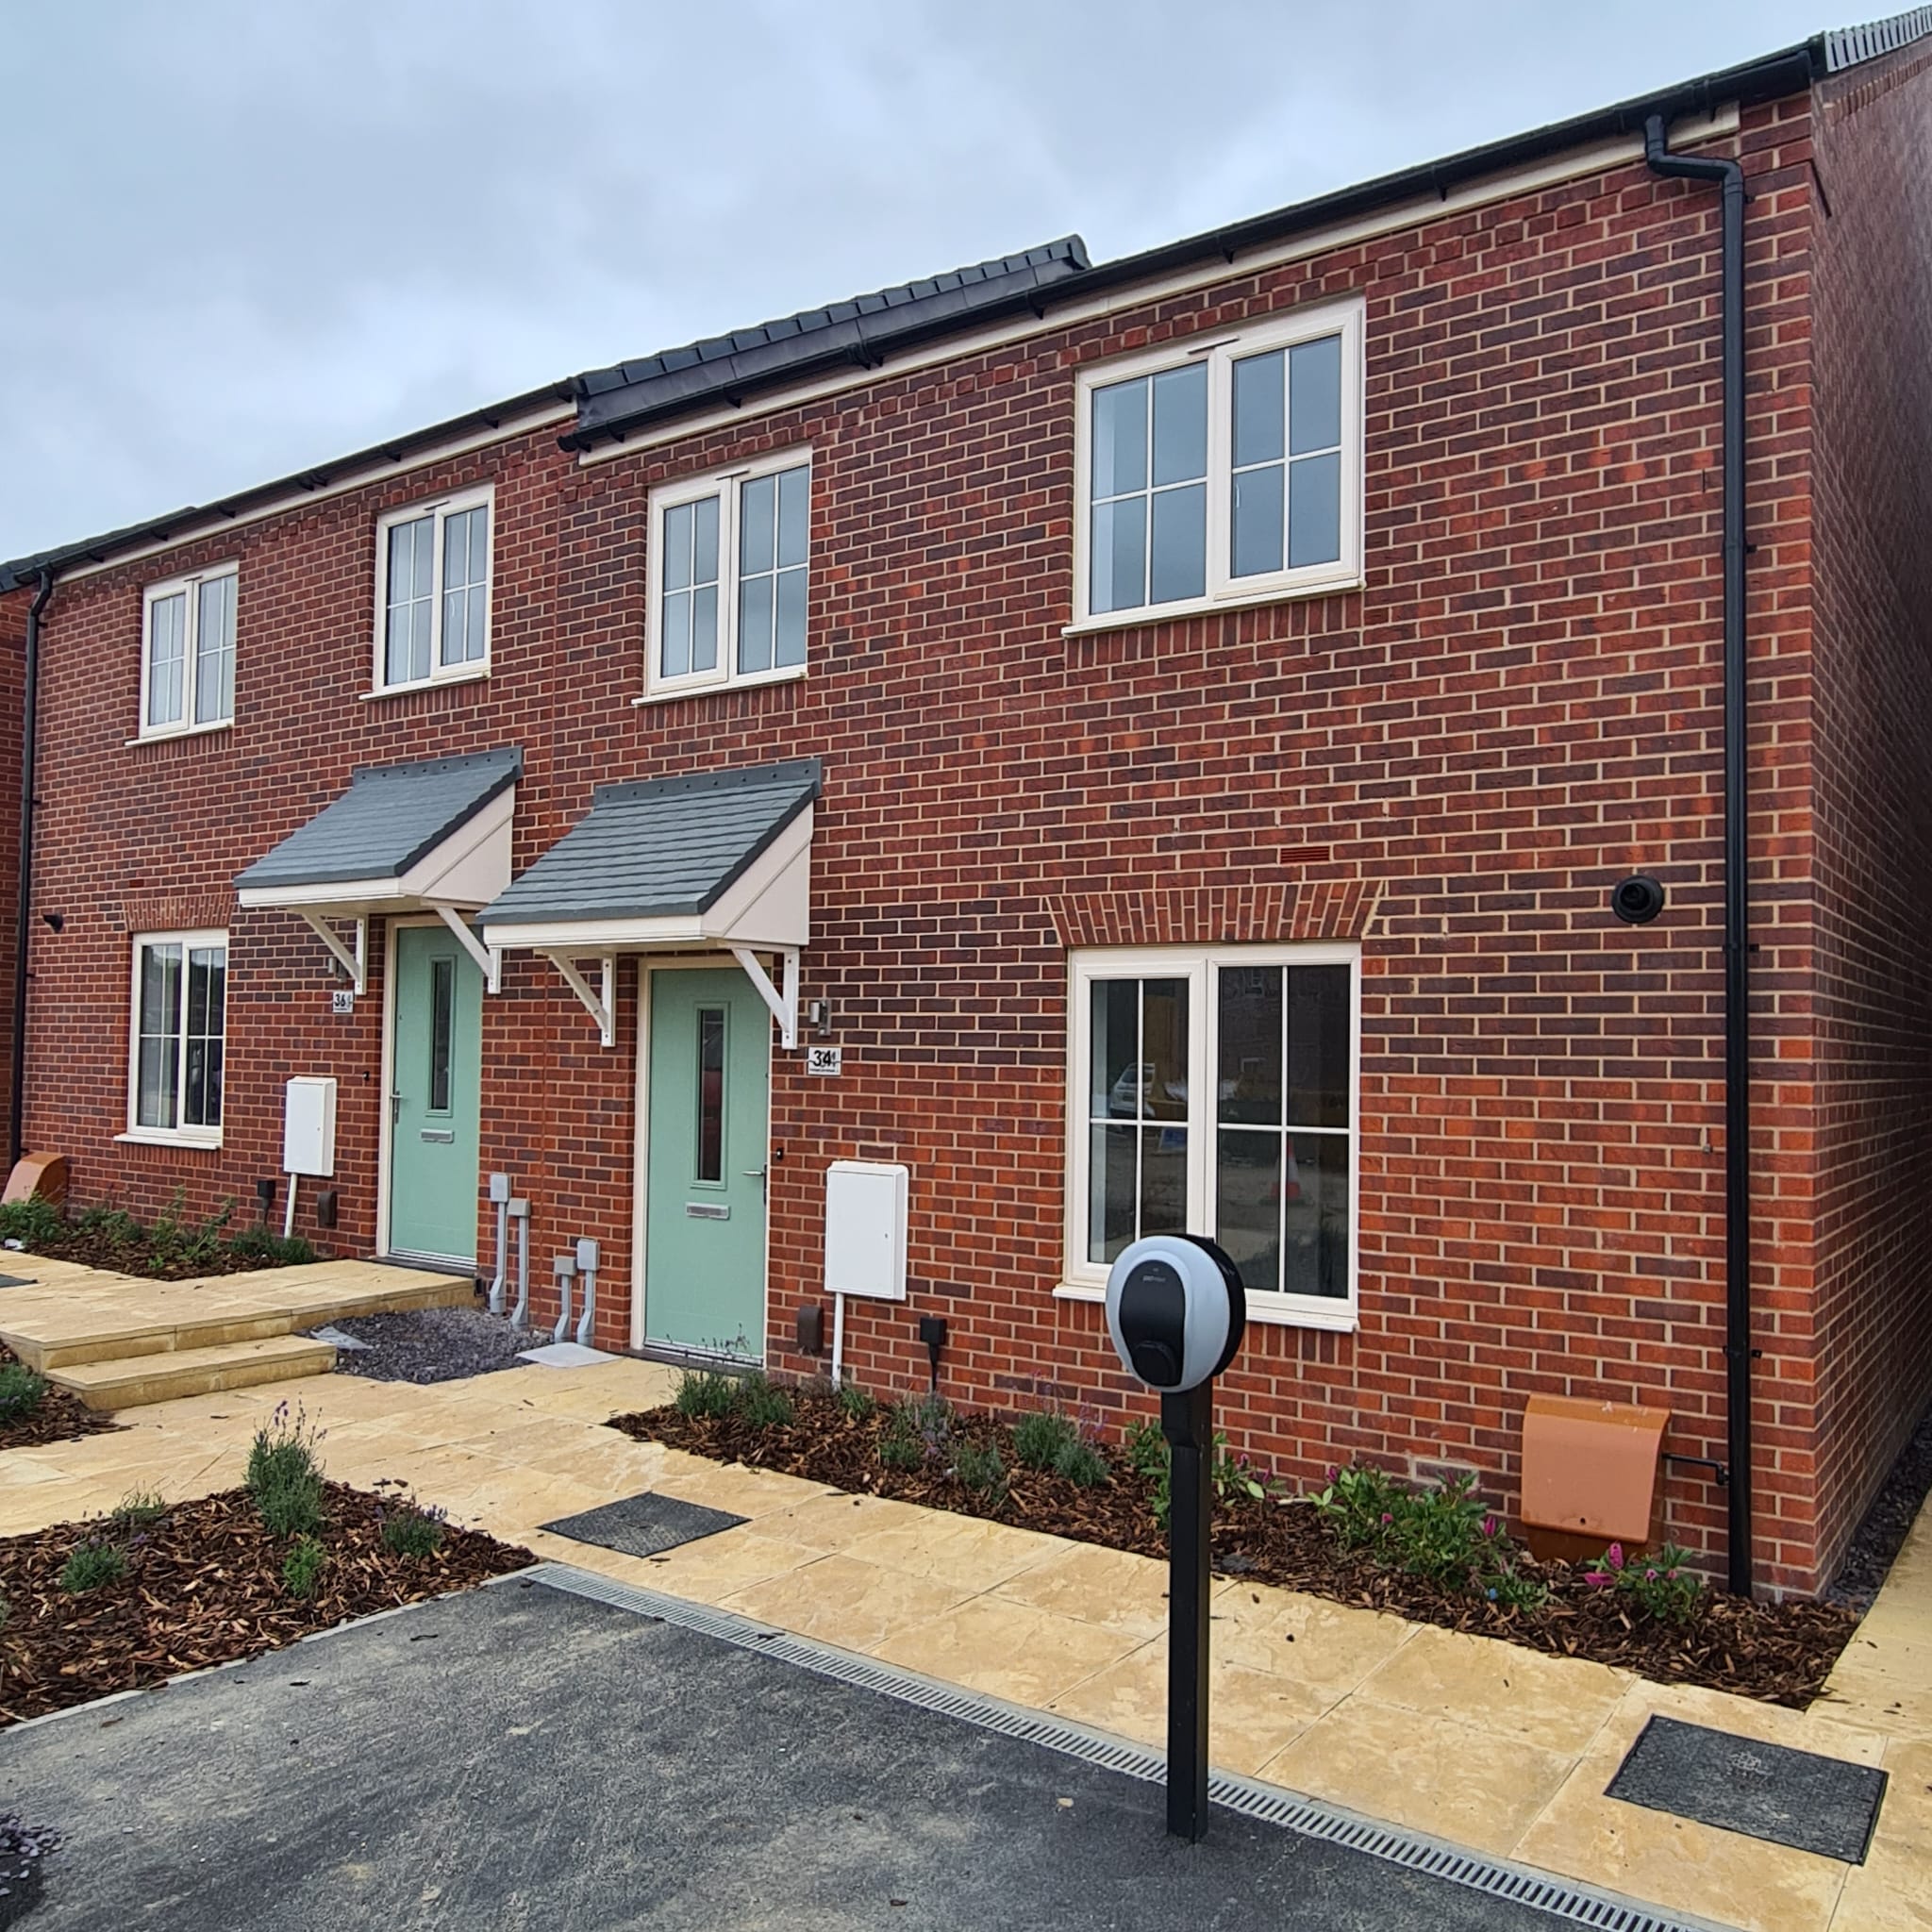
(1580, 1905)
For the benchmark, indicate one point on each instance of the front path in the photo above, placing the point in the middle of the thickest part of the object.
(1500, 1749)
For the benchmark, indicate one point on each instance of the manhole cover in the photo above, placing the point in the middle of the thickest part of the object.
(1797, 1798)
(645, 1525)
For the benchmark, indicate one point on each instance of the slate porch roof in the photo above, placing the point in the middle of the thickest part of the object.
(660, 848)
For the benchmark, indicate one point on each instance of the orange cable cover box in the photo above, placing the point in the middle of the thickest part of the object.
(1590, 1474)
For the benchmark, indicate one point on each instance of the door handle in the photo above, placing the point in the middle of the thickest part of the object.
(395, 1108)
(756, 1173)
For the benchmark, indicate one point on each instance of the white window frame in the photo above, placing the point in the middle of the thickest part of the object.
(189, 588)
(442, 508)
(1085, 1280)
(1220, 351)
(725, 485)
(177, 1135)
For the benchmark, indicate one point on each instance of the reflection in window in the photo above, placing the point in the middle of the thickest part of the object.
(1137, 1112)
(710, 1093)
(443, 1013)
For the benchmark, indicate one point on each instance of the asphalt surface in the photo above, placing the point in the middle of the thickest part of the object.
(520, 1757)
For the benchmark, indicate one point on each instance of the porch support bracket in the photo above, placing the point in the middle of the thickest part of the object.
(600, 1004)
(784, 1004)
(489, 960)
(355, 964)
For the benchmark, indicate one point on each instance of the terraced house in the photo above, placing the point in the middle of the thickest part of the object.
(1395, 733)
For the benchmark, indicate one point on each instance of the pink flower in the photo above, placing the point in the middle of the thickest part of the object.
(1597, 1578)
(1615, 1555)
(1489, 1526)
(1387, 1518)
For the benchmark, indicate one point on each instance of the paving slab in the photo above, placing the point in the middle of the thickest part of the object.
(552, 1761)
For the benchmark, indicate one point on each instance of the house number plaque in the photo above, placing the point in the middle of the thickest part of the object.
(824, 1059)
(341, 999)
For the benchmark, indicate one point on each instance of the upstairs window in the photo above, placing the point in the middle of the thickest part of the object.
(179, 1033)
(727, 577)
(188, 653)
(432, 591)
(1227, 473)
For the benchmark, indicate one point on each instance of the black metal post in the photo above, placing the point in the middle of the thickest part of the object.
(1188, 1422)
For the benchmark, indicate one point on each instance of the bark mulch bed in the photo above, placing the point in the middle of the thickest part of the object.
(204, 1585)
(1777, 1653)
(105, 1248)
(58, 1417)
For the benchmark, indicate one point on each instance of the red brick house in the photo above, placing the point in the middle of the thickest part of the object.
(1175, 728)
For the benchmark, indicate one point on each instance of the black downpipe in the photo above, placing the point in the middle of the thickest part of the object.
(1729, 179)
(30, 699)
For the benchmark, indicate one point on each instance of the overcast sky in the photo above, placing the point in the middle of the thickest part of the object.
(248, 238)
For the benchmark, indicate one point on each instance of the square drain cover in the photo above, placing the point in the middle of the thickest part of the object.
(1797, 1798)
(645, 1525)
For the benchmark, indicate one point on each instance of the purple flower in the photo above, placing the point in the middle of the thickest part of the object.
(1597, 1578)
(1489, 1528)
(1387, 1518)
(1615, 1555)
(1650, 1577)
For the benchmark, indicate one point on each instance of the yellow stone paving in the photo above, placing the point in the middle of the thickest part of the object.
(1491, 1746)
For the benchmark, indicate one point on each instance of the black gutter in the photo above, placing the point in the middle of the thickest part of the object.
(1728, 176)
(1790, 71)
(30, 700)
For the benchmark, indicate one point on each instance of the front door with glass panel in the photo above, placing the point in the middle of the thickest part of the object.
(434, 1081)
(705, 1197)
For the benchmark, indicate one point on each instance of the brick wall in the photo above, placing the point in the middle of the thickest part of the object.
(1871, 723)
(1452, 764)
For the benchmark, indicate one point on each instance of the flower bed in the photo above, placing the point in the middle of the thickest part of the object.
(157, 1588)
(923, 1453)
(168, 1249)
(33, 1412)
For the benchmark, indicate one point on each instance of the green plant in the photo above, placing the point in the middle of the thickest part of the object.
(762, 1405)
(705, 1393)
(1360, 1502)
(1149, 1458)
(981, 1469)
(1081, 1462)
(1234, 1477)
(1661, 1586)
(285, 1474)
(30, 1221)
(1437, 1533)
(902, 1443)
(174, 1244)
(410, 1530)
(92, 1563)
(272, 1250)
(858, 1404)
(112, 1224)
(138, 1509)
(1040, 1439)
(5, 1609)
(302, 1566)
(22, 1391)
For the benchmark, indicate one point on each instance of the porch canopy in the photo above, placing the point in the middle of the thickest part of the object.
(424, 837)
(716, 860)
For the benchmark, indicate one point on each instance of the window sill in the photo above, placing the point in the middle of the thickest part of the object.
(791, 674)
(409, 690)
(1343, 1318)
(153, 1137)
(168, 734)
(1208, 607)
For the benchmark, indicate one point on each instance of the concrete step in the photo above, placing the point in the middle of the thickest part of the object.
(60, 1330)
(129, 1381)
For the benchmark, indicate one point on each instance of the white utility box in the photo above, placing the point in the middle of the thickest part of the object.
(309, 1126)
(865, 1229)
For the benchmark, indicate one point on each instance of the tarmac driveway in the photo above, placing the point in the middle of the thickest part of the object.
(521, 1757)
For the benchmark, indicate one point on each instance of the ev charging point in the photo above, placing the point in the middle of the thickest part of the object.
(1175, 1311)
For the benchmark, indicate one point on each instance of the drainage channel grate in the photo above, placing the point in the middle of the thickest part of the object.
(1580, 1905)
(644, 1525)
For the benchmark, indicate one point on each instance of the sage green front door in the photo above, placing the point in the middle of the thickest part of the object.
(704, 1198)
(434, 1081)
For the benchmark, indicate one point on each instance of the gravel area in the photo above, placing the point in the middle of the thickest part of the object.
(22, 1848)
(430, 1344)
(1880, 1537)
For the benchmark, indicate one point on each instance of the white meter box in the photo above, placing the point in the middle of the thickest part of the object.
(866, 1229)
(309, 1126)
